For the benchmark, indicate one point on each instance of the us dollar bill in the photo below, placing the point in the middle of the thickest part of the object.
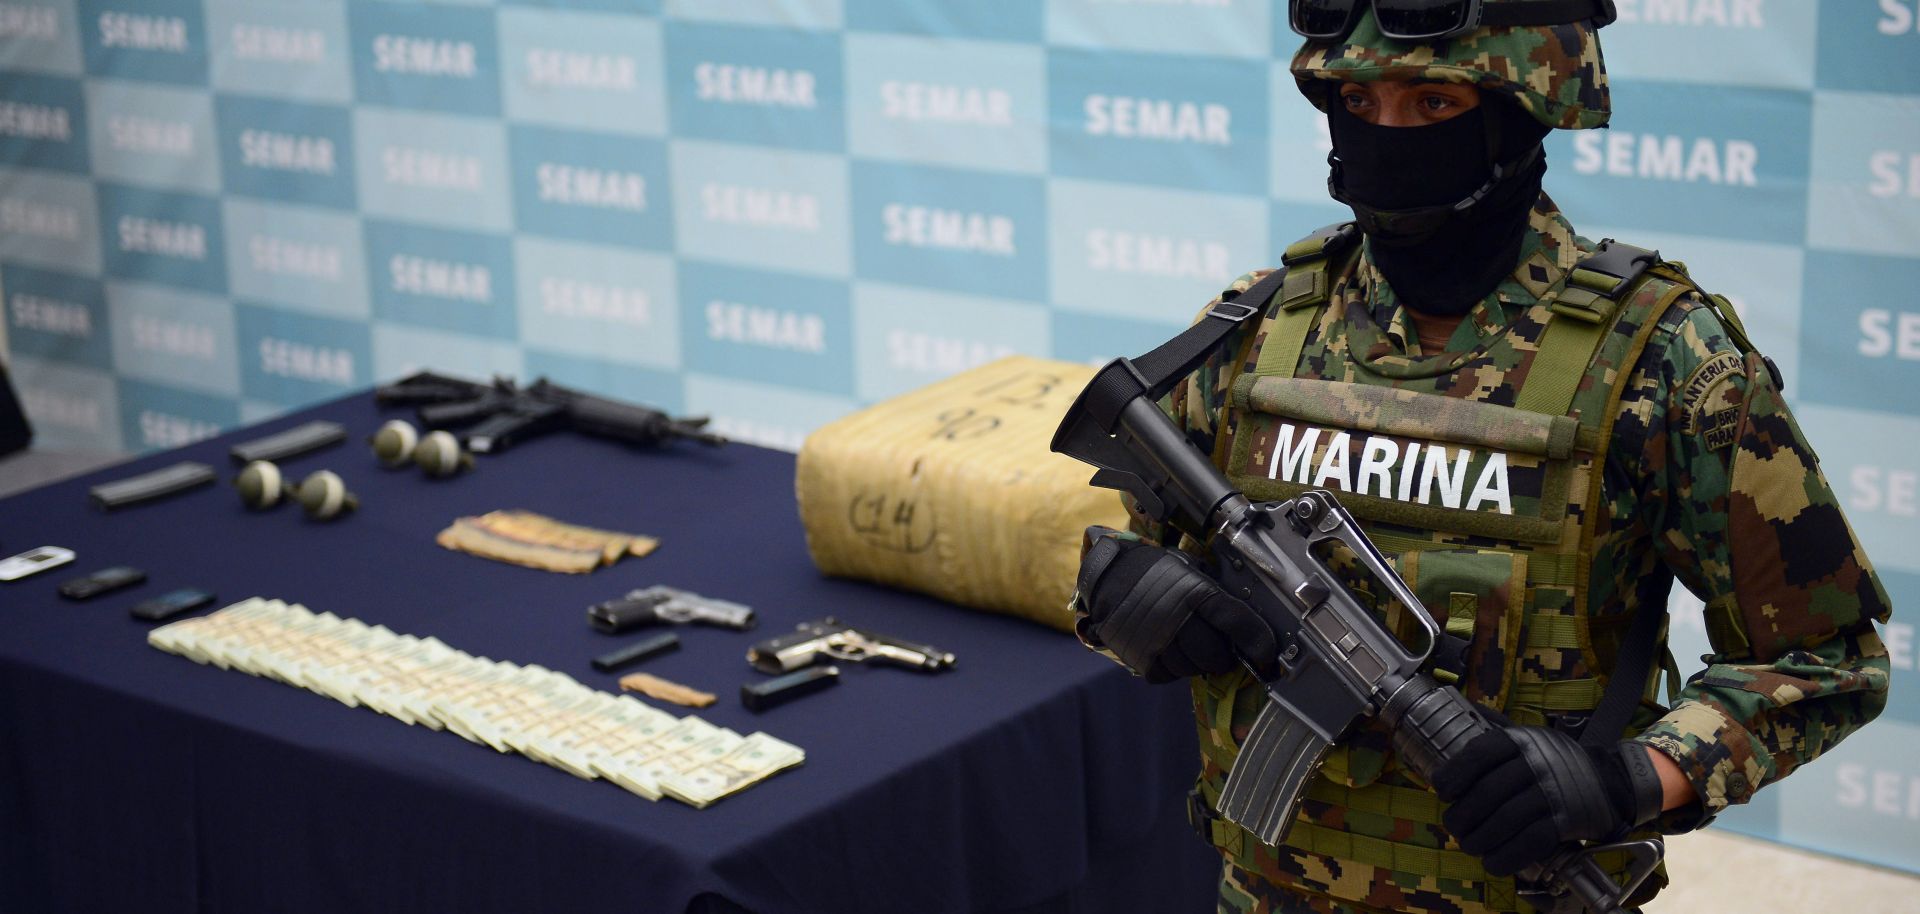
(754, 759)
(542, 714)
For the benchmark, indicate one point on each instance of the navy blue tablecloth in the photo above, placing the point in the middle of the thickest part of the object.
(1034, 777)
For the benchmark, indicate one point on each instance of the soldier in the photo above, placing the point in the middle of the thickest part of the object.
(1544, 433)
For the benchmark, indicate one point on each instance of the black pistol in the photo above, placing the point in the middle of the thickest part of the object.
(661, 604)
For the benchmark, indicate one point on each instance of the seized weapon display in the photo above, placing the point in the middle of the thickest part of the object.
(323, 494)
(34, 561)
(1339, 665)
(662, 604)
(538, 541)
(667, 690)
(171, 603)
(106, 580)
(829, 639)
(542, 714)
(398, 443)
(499, 415)
(170, 480)
(772, 693)
(644, 649)
(301, 439)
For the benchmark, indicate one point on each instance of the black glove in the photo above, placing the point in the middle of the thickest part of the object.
(1519, 793)
(1165, 618)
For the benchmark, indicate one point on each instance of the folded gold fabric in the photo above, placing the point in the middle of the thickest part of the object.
(666, 690)
(538, 541)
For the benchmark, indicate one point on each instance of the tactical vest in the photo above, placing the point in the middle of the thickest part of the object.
(1480, 473)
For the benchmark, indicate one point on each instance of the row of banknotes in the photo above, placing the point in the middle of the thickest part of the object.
(541, 714)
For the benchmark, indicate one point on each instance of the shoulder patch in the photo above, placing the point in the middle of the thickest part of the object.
(1709, 407)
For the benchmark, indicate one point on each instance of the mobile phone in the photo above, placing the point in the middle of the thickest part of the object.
(106, 580)
(170, 604)
(34, 561)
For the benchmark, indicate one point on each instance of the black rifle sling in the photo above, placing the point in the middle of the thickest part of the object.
(1632, 663)
(1170, 362)
(1624, 265)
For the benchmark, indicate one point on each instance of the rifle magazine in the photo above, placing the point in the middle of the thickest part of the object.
(1263, 791)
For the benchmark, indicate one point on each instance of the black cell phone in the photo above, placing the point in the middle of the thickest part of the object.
(171, 604)
(106, 580)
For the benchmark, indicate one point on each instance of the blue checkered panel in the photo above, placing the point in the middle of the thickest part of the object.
(776, 211)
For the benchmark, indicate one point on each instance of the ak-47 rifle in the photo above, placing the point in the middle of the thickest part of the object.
(1339, 663)
(502, 414)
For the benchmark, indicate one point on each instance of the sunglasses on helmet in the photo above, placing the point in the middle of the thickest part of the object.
(1425, 20)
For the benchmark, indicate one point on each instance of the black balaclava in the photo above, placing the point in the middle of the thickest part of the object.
(1448, 264)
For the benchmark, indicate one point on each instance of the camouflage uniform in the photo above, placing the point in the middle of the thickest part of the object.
(1698, 471)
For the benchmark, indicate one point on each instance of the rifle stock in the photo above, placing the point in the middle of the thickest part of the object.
(427, 387)
(502, 414)
(451, 414)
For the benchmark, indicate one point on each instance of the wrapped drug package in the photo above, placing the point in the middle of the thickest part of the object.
(950, 490)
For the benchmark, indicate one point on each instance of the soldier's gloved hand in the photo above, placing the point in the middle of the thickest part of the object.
(1164, 617)
(1519, 793)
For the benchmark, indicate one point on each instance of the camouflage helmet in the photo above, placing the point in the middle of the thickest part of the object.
(1553, 72)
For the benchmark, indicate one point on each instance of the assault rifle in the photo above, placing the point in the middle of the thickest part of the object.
(502, 414)
(1339, 663)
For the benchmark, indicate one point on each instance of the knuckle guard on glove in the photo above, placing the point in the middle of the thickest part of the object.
(1243, 629)
(1572, 784)
(1517, 794)
(1147, 616)
(1143, 602)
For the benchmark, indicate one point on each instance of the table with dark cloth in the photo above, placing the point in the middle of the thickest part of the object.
(1035, 776)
